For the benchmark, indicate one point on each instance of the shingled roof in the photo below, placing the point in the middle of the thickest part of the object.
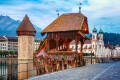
(26, 25)
(66, 22)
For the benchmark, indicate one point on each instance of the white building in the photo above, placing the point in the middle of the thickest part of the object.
(36, 44)
(8, 43)
(86, 47)
(91, 44)
(105, 51)
(3, 43)
(96, 45)
(108, 51)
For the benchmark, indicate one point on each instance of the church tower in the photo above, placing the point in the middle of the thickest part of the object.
(94, 40)
(101, 42)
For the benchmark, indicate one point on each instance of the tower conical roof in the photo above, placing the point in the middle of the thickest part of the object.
(26, 25)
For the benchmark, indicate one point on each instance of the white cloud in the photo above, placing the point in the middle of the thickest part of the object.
(43, 13)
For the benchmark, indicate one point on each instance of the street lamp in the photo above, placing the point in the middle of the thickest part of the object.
(91, 57)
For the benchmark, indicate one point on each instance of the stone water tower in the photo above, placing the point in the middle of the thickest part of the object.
(26, 33)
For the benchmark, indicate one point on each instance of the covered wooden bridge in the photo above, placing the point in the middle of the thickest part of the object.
(62, 31)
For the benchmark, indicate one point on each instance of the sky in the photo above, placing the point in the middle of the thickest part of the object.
(101, 13)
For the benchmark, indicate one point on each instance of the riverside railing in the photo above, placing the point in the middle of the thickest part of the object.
(38, 66)
(23, 70)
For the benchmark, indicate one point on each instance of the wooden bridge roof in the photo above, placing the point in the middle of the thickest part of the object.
(66, 22)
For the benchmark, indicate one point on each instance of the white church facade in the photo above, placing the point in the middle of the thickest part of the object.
(96, 45)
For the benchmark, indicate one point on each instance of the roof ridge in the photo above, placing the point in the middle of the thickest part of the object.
(26, 25)
(66, 22)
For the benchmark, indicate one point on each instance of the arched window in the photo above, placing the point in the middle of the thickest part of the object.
(93, 45)
(93, 36)
(100, 45)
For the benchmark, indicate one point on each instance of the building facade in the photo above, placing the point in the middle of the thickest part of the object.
(96, 45)
(36, 44)
(3, 43)
(108, 51)
(8, 43)
(90, 46)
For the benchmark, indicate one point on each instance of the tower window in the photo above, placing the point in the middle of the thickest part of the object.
(100, 45)
(93, 45)
(73, 47)
(93, 36)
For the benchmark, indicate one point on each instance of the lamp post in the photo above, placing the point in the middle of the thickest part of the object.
(91, 57)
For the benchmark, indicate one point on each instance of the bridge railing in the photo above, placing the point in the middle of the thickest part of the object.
(9, 69)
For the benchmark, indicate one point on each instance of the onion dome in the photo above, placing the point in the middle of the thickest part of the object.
(100, 31)
(94, 30)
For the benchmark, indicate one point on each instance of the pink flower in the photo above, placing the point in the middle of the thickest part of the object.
(46, 56)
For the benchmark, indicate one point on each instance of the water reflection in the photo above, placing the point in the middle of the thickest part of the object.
(7, 69)
(13, 69)
(25, 69)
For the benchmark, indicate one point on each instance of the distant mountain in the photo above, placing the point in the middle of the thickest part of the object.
(7, 23)
(8, 27)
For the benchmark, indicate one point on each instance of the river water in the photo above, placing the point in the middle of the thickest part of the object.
(13, 69)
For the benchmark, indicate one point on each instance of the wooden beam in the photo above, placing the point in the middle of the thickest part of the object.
(81, 53)
(81, 40)
(48, 48)
(67, 46)
(76, 43)
(57, 42)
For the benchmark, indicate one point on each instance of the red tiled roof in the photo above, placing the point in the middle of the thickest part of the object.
(117, 45)
(109, 46)
(86, 42)
(66, 22)
(73, 42)
(26, 25)
(2, 38)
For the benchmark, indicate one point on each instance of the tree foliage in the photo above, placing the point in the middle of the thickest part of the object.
(8, 52)
(5, 52)
(1, 52)
(112, 38)
(11, 52)
(15, 52)
(88, 54)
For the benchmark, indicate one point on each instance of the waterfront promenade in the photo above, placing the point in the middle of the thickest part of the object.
(99, 71)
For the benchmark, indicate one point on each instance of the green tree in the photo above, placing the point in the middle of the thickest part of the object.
(15, 52)
(5, 52)
(11, 52)
(1, 52)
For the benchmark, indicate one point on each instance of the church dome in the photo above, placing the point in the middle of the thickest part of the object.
(94, 30)
(100, 31)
